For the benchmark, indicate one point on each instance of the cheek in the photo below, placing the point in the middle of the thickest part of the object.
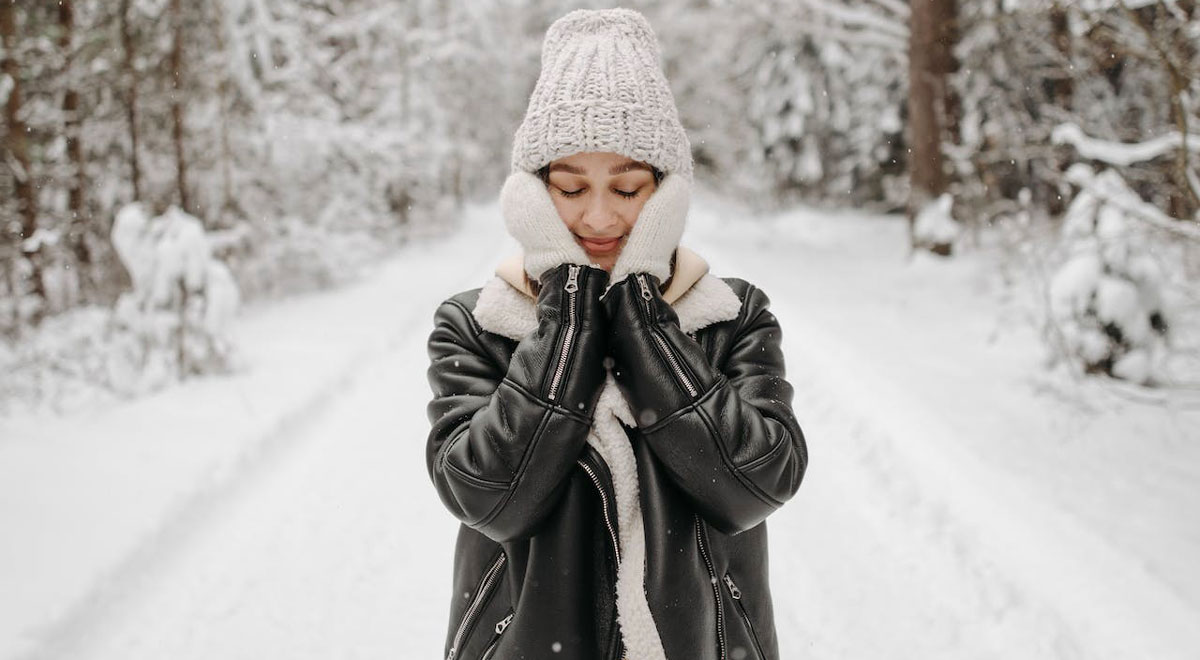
(631, 214)
(563, 206)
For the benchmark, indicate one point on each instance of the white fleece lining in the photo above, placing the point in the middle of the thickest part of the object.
(506, 311)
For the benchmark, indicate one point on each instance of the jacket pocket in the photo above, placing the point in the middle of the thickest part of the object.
(737, 603)
(487, 586)
(500, 627)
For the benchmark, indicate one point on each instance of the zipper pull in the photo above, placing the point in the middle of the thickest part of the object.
(572, 279)
(504, 623)
(645, 288)
(733, 589)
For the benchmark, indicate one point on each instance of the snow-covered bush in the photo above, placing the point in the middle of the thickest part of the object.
(174, 321)
(1106, 300)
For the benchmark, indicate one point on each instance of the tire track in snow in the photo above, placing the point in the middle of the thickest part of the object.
(902, 544)
(119, 598)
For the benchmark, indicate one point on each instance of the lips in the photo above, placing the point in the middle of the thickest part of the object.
(600, 246)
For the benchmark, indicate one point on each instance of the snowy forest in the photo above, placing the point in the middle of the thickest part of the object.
(273, 146)
(223, 220)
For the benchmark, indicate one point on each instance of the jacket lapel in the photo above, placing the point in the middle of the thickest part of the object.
(507, 307)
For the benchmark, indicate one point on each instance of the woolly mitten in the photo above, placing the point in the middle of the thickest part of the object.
(656, 233)
(532, 219)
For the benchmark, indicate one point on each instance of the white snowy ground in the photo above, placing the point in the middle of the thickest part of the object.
(960, 503)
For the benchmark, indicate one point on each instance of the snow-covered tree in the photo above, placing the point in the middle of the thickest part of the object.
(175, 321)
(1106, 300)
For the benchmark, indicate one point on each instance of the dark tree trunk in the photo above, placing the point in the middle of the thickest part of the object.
(925, 96)
(177, 129)
(1063, 87)
(131, 99)
(77, 233)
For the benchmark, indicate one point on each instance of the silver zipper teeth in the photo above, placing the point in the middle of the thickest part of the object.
(607, 523)
(737, 597)
(604, 506)
(571, 287)
(484, 588)
(712, 576)
(674, 364)
(662, 343)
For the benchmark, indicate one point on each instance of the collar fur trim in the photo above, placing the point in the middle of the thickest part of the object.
(507, 306)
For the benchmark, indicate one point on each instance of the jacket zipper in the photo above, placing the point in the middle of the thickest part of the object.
(496, 638)
(607, 523)
(570, 287)
(604, 506)
(663, 346)
(485, 588)
(712, 578)
(737, 601)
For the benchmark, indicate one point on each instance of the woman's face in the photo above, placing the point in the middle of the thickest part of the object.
(598, 196)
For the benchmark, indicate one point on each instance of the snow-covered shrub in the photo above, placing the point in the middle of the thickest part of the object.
(174, 321)
(1106, 300)
(58, 364)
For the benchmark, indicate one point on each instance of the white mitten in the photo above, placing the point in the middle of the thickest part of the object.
(656, 233)
(532, 219)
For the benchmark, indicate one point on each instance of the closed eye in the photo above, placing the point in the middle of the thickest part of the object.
(627, 194)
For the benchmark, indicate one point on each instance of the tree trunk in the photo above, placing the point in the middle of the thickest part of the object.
(1063, 88)
(177, 130)
(945, 36)
(77, 233)
(929, 58)
(925, 101)
(18, 145)
(131, 99)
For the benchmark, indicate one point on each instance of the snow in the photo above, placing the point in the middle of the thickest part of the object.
(934, 224)
(961, 499)
(1120, 153)
(1110, 284)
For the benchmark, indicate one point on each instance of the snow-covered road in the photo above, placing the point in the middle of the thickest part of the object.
(923, 529)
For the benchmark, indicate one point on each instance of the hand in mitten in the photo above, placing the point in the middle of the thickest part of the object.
(532, 219)
(656, 233)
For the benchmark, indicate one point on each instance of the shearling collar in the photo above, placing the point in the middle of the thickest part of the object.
(506, 305)
(689, 267)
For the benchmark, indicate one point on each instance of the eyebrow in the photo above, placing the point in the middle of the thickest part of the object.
(615, 170)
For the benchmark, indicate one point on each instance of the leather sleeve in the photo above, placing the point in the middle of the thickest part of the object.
(503, 441)
(728, 438)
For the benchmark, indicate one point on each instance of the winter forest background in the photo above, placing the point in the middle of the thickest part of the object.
(187, 188)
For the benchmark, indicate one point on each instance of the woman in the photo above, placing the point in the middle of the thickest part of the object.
(610, 422)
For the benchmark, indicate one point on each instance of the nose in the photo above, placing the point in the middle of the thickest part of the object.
(600, 217)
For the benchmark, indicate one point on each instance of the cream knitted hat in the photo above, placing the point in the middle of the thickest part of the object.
(602, 88)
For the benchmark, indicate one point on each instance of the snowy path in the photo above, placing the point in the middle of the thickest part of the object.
(913, 536)
(339, 549)
(916, 534)
(113, 520)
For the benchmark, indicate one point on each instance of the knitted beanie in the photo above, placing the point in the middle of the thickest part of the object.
(602, 88)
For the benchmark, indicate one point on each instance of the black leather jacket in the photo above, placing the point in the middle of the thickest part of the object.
(718, 449)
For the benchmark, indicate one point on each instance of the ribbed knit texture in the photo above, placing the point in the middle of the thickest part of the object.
(602, 88)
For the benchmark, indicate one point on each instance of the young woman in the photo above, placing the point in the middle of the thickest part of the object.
(610, 423)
